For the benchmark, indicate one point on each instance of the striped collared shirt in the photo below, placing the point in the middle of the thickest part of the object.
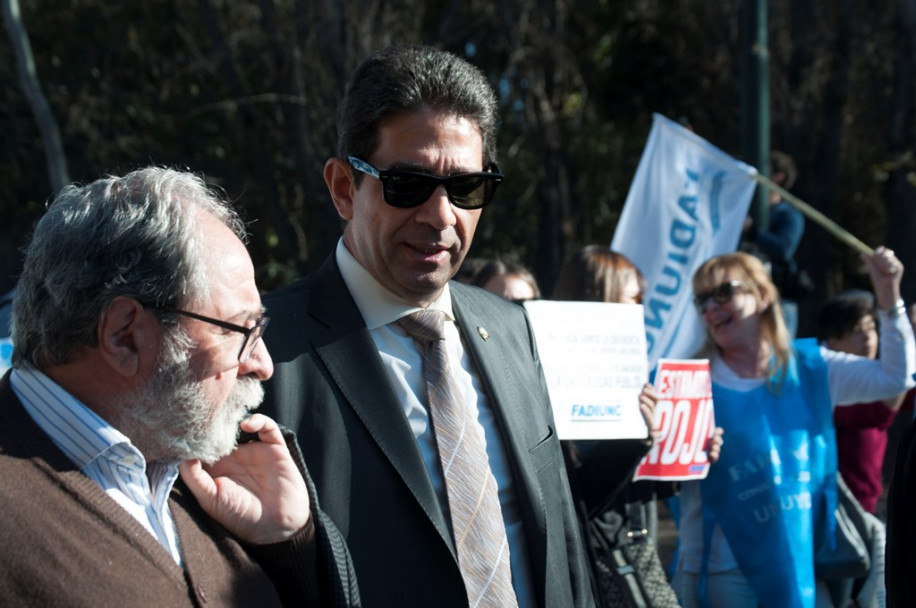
(102, 453)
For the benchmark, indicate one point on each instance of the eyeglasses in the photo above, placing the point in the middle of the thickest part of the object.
(252, 334)
(722, 294)
(407, 189)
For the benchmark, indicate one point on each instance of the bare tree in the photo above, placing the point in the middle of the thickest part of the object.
(28, 81)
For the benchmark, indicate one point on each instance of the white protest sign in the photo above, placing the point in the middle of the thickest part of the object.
(594, 359)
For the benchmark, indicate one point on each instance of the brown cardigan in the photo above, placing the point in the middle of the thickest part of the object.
(65, 542)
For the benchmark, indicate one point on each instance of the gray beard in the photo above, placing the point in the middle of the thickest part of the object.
(172, 417)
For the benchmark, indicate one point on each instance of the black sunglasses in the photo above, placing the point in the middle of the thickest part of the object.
(406, 189)
(252, 334)
(721, 293)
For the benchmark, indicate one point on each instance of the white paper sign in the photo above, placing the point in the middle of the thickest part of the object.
(594, 359)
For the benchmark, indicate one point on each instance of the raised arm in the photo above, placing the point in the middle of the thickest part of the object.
(856, 379)
(886, 272)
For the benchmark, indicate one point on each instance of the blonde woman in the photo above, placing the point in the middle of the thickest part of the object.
(746, 531)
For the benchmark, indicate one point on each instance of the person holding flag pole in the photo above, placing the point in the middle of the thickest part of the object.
(687, 203)
(747, 530)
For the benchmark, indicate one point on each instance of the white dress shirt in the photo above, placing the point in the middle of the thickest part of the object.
(402, 360)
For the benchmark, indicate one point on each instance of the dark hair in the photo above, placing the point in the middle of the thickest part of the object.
(780, 162)
(469, 269)
(408, 78)
(839, 315)
(596, 274)
(130, 236)
(494, 268)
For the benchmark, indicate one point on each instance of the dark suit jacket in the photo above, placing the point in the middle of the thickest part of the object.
(330, 384)
(67, 542)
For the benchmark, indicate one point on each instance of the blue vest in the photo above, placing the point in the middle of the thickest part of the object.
(777, 469)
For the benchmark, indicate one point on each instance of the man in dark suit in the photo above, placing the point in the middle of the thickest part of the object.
(137, 325)
(415, 165)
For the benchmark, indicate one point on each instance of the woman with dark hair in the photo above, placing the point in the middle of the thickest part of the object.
(629, 523)
(508, 279)
(597, 274)
(847, 323)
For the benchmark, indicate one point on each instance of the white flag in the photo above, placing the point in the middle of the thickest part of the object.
(687, 204)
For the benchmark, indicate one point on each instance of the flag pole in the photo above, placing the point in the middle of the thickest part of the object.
(821, 219)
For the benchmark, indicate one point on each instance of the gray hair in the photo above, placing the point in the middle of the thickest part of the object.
(131, 236)
(408, 78)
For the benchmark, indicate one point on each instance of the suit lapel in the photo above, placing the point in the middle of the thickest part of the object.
(347, 350)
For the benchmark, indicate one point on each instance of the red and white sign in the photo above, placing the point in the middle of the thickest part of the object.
(684, 416)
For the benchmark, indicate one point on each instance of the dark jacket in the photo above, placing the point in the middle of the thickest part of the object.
(330, 385)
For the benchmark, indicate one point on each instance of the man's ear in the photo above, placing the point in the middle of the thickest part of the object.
(127, 336)
(339, 177)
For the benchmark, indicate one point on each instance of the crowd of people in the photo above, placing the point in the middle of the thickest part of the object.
(404, 451)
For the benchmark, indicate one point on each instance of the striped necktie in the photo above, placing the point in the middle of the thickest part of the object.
(477, 523)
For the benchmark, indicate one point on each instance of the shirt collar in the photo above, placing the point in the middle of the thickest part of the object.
(80, 433)
(377, 305)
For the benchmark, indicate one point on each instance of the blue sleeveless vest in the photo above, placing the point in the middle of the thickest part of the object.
(776, 470)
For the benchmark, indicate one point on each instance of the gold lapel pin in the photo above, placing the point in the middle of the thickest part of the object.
(483, 333)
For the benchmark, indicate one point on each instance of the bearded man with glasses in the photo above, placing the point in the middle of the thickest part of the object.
(138, 356)
(414, 170)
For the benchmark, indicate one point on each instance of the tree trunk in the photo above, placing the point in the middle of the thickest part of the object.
(31, 88)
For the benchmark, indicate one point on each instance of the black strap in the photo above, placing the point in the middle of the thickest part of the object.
(572, 472)
(625, 574)
(628, 580)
